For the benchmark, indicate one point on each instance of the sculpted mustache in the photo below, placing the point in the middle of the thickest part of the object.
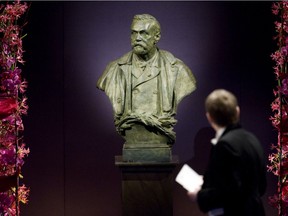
(138, 44)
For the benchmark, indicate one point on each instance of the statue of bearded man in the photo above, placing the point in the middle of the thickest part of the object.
(145, 87)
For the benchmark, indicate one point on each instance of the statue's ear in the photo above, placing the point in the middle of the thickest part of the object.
(157, 37)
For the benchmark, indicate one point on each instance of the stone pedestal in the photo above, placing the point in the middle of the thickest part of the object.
(145, 144)
(147, 187)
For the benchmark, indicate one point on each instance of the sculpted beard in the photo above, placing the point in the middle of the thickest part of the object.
(139, 49)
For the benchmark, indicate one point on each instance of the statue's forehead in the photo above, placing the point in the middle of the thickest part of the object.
(141, 25)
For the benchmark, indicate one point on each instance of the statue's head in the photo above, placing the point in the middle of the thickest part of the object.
(145, 33)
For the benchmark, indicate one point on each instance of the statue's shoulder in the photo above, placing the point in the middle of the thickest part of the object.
(166, 55)
(124, 59)
(171, 58)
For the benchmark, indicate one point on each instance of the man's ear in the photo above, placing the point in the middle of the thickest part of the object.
(238, 111)
(209, 118)
(211, 121)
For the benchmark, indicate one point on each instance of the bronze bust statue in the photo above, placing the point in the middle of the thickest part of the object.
(145, 87)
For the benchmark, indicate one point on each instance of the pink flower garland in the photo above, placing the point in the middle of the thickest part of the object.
(13, 104)
(279, 158)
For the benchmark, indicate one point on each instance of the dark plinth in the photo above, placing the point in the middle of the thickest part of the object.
(147, 187)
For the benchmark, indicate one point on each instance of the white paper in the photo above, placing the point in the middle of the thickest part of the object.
(189, 179)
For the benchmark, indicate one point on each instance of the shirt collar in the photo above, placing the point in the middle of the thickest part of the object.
(219, 133)
(142, 63)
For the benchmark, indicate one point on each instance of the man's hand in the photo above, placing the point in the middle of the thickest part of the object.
(193, 195)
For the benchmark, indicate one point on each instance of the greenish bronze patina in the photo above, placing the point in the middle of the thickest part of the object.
(145, 87)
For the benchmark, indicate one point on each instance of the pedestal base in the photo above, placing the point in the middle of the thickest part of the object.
(147, 188)
(147, 154)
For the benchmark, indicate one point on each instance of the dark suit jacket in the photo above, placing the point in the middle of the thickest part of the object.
(236, 175)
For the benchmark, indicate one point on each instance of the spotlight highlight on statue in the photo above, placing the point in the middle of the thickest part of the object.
(145, 86)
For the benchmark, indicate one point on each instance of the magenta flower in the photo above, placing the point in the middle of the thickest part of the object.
(10, 61)
(284, 87)
(275, 8)
(11, 80)
(12, 88)
(8, 156)
(5, 201)
(278, 160)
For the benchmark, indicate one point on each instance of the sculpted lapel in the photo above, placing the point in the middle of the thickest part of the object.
(147, 75)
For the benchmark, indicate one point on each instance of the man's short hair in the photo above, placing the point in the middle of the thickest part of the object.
(222, 107)
(148, 17)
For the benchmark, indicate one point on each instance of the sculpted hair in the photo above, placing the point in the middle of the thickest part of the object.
(222, 107)
(148, 17)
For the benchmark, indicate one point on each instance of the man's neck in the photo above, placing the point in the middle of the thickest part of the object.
(219, 132)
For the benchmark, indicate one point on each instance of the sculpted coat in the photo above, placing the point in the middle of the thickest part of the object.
(150, 96)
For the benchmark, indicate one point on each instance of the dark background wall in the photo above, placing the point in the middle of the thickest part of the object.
(69, 127)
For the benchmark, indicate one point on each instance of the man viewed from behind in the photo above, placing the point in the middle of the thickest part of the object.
(235, 178)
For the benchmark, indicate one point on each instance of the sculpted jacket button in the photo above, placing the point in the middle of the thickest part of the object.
(174, 69)
(118, 100)
(135, 91)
